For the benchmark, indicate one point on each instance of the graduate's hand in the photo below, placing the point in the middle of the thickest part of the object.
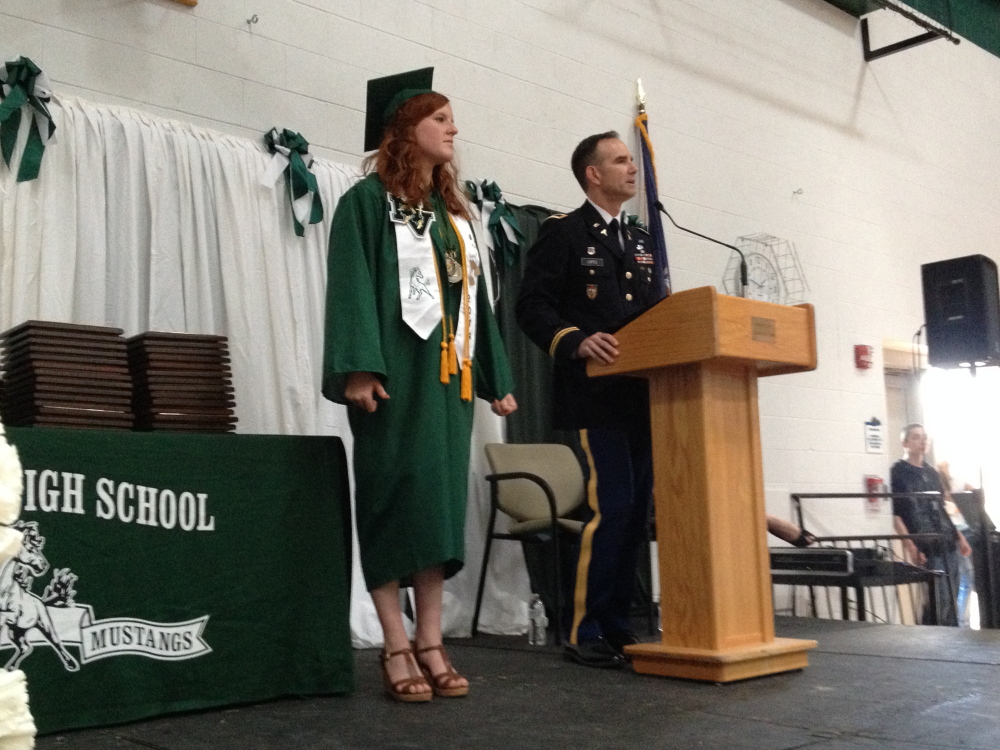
(361, 390)
(602, 347)
(504, 406)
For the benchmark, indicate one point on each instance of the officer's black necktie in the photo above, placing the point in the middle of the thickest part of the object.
(613, 231)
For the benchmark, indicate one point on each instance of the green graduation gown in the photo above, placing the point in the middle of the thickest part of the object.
(411, 456)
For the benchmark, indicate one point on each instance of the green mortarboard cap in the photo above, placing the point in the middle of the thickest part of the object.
(385, 95)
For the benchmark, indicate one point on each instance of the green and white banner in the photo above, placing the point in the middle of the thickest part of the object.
(167, 572)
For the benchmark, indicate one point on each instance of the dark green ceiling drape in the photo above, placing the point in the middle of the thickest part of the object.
(975, 20)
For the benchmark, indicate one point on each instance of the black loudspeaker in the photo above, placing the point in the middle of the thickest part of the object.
(962, 310)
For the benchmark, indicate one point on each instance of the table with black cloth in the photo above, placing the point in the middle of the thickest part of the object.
(177, 572)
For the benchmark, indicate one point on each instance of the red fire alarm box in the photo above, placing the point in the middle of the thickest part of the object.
(864, 356)
(875, 485)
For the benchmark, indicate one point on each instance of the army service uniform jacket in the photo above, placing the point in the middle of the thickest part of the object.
(579, 280)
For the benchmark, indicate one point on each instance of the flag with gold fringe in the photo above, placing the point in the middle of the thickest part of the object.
(652, 197)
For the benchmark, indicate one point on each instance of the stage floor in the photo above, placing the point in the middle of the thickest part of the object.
(867, 686)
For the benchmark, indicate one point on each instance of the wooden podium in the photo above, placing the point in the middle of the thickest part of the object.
(702, 353)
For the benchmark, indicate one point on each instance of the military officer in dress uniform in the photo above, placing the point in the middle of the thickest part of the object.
(587, 274)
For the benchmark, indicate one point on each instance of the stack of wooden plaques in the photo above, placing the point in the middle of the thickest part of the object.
(65, 375)
(181, 382)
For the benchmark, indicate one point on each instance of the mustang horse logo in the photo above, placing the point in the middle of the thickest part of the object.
(56, 619)
(20, 610)
(418, 286)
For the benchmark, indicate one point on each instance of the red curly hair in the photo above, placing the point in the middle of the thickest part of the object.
(396, 158)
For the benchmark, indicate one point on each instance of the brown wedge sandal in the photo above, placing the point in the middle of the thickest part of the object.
(441, 681)
(400, 689)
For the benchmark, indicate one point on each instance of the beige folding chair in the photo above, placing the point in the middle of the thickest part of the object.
(537, 485)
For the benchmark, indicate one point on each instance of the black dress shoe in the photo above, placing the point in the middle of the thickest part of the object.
(594, 654)
(619, 640)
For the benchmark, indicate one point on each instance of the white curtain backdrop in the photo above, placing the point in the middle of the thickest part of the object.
(144, 223)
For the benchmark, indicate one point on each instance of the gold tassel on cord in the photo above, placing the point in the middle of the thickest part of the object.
(446, 351)
(467, 380)
(445, 377)
(452, 355)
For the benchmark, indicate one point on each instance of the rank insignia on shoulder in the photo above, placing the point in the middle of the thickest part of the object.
(591, 291)
(554, 216)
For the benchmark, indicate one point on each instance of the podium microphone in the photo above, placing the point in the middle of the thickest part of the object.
(743, 260)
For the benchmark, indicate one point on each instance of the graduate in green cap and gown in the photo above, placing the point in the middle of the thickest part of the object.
(410, 338)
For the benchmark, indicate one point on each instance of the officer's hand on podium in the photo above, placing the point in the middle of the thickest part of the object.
(504, 406)
(602, 347)
(361, 390)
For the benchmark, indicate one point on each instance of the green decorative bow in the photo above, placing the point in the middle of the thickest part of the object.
(632, 220)
(23, 84)
(503, 228)
(292, 158)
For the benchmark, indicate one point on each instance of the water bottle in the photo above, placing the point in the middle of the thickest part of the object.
(538, 623)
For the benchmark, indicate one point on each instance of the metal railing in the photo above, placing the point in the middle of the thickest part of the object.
(891, 590)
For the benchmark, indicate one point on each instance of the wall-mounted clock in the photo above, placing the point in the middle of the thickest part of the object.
(773, 270)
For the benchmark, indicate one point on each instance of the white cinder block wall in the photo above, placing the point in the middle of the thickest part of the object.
(764, 117)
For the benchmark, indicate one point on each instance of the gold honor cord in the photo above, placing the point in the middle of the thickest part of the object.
(447, 352)
(466, 360)
(452, 351)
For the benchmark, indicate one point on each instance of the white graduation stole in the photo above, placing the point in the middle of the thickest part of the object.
(471, 258)
(420, 292)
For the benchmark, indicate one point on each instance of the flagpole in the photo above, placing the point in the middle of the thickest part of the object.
(648, 166)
